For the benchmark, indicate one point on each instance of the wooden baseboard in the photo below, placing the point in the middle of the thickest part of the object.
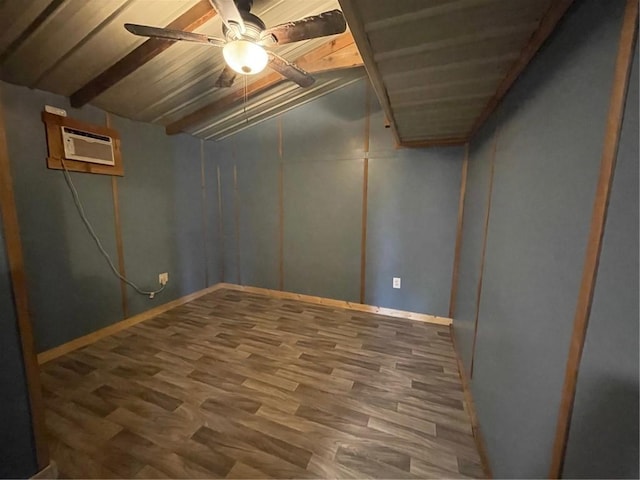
(389, 312)
(80, 342)
(477, 434)
(50, 472)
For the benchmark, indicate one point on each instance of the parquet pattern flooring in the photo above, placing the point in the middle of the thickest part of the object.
(242, 385)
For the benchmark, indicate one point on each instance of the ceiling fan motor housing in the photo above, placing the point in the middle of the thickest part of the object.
(253, 27)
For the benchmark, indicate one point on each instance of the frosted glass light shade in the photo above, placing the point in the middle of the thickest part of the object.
(245, 57)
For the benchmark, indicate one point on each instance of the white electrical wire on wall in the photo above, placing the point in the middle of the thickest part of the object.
(87, 224)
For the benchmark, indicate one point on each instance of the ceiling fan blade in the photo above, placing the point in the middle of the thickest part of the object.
(226, 78)
(327, 23)
(229, 13)
(167, 34)
(290, 70)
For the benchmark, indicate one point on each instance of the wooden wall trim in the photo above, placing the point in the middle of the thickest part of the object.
(484, 249)
(442, 142)
(15, 260)
(92, 337)
(236, 202)
(615, 116)
(119, 246)
(363, 236)
(548, 23)
(118, 231)
(473, 416)
(203, 199)
(220, 224)
(458, 248)
(365, 194)
(280, 208)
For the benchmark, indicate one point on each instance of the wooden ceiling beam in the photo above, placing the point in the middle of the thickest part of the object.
(440, 142)
(547, 25)
(49, 10)
(193, 18)
(354, 21)
(339, 53)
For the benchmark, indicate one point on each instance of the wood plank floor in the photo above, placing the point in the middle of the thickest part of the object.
(240, 385)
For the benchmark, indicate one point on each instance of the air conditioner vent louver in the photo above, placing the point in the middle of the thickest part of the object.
(87, 147)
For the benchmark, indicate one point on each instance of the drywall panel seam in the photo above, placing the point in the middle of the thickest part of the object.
(484, 250)
(458, 247)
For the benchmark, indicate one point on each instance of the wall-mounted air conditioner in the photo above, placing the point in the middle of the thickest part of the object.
(87, 147)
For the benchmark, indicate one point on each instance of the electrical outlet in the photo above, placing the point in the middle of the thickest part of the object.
(163, 278)
(396, 282)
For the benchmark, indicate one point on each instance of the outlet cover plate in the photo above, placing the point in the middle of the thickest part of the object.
(397, 282)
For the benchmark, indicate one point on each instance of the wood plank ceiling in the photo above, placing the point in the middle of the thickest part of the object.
(80, 49)
(439, 67)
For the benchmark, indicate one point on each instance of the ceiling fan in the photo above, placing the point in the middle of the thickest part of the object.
(246, 37)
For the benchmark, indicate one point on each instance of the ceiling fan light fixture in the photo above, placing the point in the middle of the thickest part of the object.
(245, 57)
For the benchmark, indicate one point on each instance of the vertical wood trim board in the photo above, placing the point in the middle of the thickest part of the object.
(594, 243)
(367, 118)
(220, 225)
(280, 208)
(484, 249)
(363, 240)
(468, 398)
(365, 194)
(15, 260)
(119, 245)
(203, 187)
(236, 201)
(118, 230)
(458, 247)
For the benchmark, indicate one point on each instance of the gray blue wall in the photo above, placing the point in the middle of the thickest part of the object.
(72, 292)
(412, 206)
(17, 450)
(549, 132)
(603, 440)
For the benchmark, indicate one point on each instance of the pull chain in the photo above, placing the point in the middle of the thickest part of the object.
(244, 106)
